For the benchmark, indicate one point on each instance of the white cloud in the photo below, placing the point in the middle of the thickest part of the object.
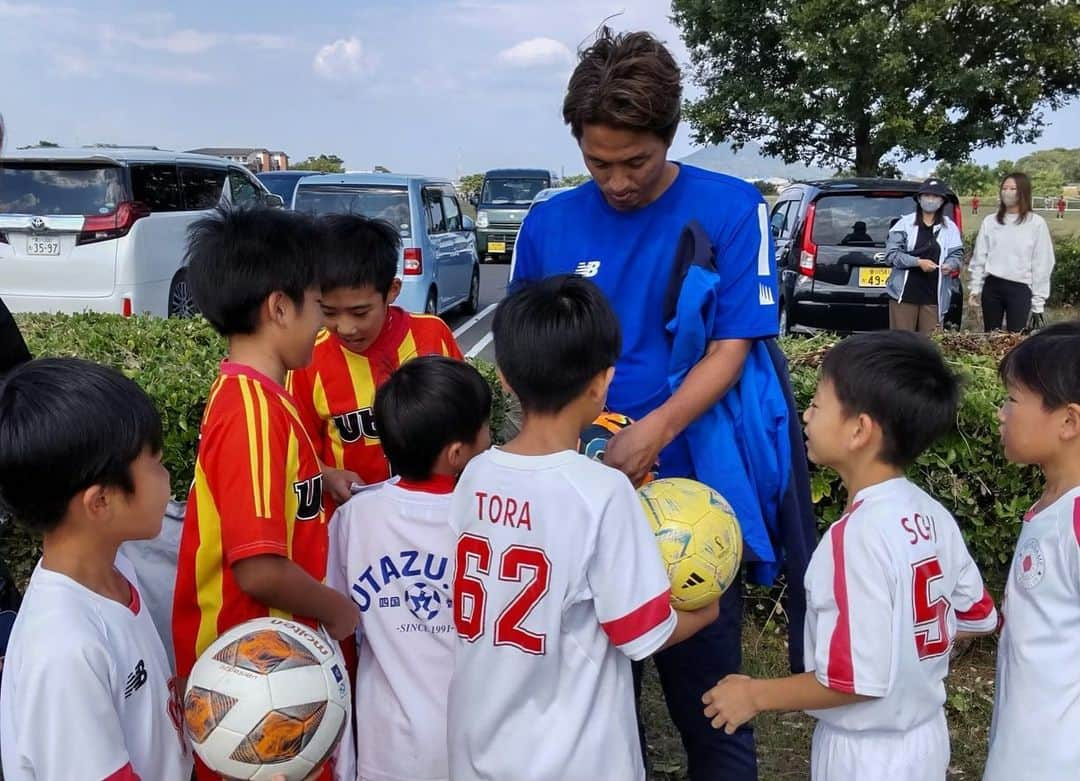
(343, 59)
(179, 42)
(537, 53)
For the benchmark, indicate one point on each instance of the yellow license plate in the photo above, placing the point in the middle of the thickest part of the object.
(873, 277)
(496, 246)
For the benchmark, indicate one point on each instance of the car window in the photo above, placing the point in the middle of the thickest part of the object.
(243, 189)
(433, 208)
(202, 186)
(378, 202)
(858, 220)
(60, 188)
(284, 186)
(157, 186)
(452, 212)
(780, 221)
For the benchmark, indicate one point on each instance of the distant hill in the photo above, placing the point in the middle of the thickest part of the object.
(750, 163)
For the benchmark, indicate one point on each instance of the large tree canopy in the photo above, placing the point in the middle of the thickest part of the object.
(863, 84)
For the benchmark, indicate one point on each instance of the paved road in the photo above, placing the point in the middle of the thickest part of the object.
(474, 332)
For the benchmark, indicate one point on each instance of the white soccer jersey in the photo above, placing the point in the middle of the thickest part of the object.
(391, 550)
(1035, 731)
(887, 589)
(86, 689)
(558, 586)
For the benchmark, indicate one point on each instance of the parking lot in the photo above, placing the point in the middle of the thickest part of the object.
(473, 332)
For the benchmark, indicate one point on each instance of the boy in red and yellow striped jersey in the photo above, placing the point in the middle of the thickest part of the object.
(365, 340)
(255, 536)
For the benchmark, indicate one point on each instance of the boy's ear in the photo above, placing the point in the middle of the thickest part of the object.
(1071, 428)
(394, 292)
(598, 388)
(96, 502)
(865, 431)
(278, 306)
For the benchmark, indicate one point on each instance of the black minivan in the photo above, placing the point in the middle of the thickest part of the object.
(830, 253)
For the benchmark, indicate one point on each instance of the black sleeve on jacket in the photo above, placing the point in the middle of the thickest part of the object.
(12, 347)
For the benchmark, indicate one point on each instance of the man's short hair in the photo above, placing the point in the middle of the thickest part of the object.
(1047, 363)
(629, 81)
(237, 257)
(67, 424)
(552, 338)
(427, 404)
(900, 379)
(359, 252)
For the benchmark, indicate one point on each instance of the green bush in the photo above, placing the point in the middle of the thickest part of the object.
(175, 361)
(1065, 282)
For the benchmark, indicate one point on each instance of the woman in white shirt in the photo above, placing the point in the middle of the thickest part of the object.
(1014, 255)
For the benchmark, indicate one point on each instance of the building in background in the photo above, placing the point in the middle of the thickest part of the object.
(257, 160)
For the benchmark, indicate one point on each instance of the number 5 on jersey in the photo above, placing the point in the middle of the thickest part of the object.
(517, 564)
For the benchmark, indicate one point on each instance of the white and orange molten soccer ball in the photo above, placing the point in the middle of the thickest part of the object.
(698, 536)
(269, 696)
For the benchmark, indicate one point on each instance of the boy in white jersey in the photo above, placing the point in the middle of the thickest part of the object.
(392, 551)
(890, 586)
(558, 580)
(86, 691)
(1035, 731)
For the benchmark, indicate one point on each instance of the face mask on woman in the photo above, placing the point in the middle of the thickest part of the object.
(1009, 197)
(930, 203)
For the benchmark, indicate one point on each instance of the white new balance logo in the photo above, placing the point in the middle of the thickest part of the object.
(765, 295)
(587, 268)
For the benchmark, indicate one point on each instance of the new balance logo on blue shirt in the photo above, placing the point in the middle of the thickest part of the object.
(587, 268)
(765, 295)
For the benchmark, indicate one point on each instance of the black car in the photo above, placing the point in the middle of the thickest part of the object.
(283, 183)
(830, 253)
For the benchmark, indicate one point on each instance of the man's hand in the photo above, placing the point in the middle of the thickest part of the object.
(927, 265)
(339, 483)
(730, 703)
(634, 449)
(342, 617)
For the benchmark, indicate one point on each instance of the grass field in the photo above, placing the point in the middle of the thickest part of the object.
(783, 739)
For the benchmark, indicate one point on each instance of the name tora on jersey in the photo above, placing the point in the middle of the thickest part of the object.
(505, 511)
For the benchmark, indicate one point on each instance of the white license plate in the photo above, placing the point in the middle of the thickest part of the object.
(35, 245)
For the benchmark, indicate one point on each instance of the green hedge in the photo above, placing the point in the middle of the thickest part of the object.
(1065, 281)
(176, 360)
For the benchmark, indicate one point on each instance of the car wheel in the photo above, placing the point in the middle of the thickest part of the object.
(431, 306)
(181, 304)
(785, 328)
(473, 304)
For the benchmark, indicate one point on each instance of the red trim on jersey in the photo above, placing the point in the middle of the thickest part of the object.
(135, 602)
(233, 369)
(639, 622)
(841, 671)
(126, 773)
(436, 484)
(1076, 520)
(980, 610)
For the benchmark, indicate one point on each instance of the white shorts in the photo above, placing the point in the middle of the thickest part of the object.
(919, 754)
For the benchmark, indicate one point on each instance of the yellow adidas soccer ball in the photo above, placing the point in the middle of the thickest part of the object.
(698, 536)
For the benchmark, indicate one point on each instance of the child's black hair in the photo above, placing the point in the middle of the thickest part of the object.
(1047, 363)
(427, 404)
(552, 338)
(900, 379)
(359, 252)
(237, 257)
(65, 425)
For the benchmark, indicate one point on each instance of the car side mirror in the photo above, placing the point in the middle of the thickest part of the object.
(775, 231)
(274, 201)
(467, 224)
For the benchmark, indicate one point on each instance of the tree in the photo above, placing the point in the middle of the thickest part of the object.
(840, 83)
(380, 169)
(966, 178)
(42, 145)
(470, 185)
(765, 188)
(327, 164)
(574, 180)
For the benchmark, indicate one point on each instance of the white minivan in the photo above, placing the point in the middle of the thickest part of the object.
(105, 230)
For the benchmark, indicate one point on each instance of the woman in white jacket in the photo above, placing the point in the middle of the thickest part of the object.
(1014, 255)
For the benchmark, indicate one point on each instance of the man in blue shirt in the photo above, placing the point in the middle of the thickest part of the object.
(621, 230)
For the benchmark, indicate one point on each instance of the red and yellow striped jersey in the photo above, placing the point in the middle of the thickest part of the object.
(257, 490)
(336, 392)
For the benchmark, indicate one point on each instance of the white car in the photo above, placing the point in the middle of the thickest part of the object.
(105, 230)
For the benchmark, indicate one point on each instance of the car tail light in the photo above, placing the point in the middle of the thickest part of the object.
(414, 262)
(808, 256)
(127, 306)
(112, 226)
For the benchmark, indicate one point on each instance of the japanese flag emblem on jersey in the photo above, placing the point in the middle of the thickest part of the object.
(1030, 564)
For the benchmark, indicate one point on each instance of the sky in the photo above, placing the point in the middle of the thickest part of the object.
(441, 87)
